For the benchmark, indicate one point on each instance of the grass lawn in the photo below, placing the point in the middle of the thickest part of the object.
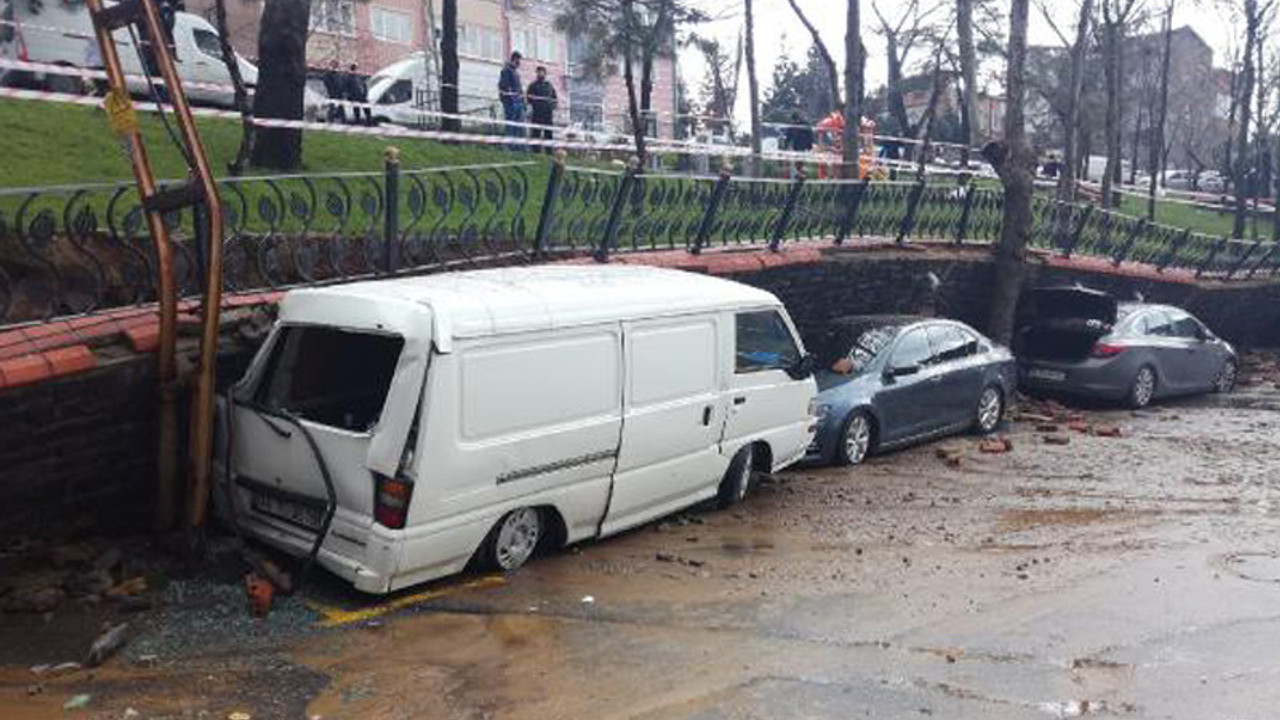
(1179, 215)
(52, 144)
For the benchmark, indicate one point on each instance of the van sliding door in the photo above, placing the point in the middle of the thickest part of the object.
(672, 418)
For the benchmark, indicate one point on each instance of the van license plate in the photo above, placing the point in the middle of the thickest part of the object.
(305, 516)
(1046, 374)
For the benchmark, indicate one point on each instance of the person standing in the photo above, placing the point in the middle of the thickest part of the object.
(335, 88)
(358, 95)
(543, 101)
(511, 93)
(798, 135)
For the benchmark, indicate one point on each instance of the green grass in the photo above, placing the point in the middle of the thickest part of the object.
(49, 144)
(1179, 215)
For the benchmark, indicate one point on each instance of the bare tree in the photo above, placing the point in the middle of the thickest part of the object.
(853, 67)
(241, 94)
(753, 88)
(1116, 17)
(969, 76)
(449, 65)
(282, 59)
(1014, 162)
(902, 35)
(1256, 13)
(833, 74)
(1071, 132)
(1156, 149)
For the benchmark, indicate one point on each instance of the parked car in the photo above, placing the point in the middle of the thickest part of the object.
(400, 429)
(887, 381)
(1083, 342)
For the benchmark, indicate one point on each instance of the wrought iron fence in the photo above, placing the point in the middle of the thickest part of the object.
(78, 249)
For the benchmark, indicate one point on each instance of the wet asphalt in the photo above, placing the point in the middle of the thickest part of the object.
(1133, 576)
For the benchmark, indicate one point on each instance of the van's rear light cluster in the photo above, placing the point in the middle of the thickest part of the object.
(1106, 350)
(391, 501)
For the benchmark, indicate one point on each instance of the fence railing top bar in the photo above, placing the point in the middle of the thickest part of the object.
(463, 168)
(593, 171)
(67, 189)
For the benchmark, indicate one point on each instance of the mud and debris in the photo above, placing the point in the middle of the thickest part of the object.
(1116, 575)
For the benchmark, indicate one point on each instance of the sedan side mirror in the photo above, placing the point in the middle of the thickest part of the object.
(902, 370)
(803, 367)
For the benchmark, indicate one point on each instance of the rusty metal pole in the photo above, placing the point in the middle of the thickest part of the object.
(121, 109)
(210, 311)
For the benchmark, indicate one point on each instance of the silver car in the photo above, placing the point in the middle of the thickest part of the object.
(1083, 342)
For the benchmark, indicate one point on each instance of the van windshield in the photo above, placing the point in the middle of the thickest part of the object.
(330, 376)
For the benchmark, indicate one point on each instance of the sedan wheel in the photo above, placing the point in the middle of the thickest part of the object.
(990, 410)
(856, 442)
(1144, 387)
(517, 537)
(1226, 380)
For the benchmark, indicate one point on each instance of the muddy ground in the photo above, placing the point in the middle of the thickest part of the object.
(1134, 576)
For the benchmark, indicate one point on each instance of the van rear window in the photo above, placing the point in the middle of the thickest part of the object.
(330, 376)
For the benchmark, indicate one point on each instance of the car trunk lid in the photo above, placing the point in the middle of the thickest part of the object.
(1065, 323)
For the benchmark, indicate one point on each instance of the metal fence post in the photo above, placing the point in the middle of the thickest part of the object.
(1123, 251)
(1271, 251)
(1243, 258)
(1174, 247)
(1213, 254)
(541, 241)
(615, 213)
(713, 205)
(1078, 232)
(851, 210)
(780, 227)
(391, 224)
(913, 204)
(963, 227)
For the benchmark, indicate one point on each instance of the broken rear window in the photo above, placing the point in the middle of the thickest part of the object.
(330, 376)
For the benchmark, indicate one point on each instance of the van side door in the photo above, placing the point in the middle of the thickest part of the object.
(672, 414)
(765, 402)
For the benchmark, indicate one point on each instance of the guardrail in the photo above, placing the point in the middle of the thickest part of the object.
(71, 250)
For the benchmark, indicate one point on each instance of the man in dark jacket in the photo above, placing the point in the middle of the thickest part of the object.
(335, 87)
(542, 99)
(798, 135)
(358, 95)
(511, 92)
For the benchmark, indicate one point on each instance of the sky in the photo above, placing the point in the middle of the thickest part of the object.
(777, 29)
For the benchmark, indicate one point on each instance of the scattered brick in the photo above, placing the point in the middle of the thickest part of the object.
(1057, 440)
(1107, 431)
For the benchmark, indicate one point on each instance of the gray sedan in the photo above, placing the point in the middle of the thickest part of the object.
(1083, 342)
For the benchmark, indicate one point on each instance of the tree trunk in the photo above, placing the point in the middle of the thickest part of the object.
(853, 66)
(833, 73)
(893, 88)
(753, 89)
(969, 75)
(1067, 182)
(1133, 147)
(1246, 117)
(1157, 144)
(449, 65)
(1014, 162)
(241, 95)
(1111, 68)
(282, 63)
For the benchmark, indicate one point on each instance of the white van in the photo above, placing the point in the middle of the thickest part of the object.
(483, 415)
(62, 34)
(399, 90)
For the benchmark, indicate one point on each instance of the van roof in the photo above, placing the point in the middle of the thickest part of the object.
(509, 300)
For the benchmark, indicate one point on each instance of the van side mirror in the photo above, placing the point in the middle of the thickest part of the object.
(803, 367)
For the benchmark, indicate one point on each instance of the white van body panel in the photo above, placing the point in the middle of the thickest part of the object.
(604, 393)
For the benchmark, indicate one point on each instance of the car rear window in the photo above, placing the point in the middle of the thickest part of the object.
(330, 376)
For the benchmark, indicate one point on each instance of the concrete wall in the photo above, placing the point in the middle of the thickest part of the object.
(84, 444)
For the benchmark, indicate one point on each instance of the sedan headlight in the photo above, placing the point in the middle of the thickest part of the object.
(818, 409)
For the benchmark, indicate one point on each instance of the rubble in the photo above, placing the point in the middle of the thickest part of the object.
(107, 644)
(1107, 431)
(995, 445)
(259, 592)
(1057, 440)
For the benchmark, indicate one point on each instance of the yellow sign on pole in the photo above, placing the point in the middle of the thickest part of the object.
(120, 113)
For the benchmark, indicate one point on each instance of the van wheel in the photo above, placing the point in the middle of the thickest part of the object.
(737, 479)
(514, 539)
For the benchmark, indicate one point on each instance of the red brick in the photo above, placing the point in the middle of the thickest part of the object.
(50, 334)
(68, 360)
(15, 344)
(24, 370)
(144, 338)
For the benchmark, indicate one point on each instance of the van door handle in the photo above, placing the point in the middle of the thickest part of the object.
(706, 415)
(739, 400)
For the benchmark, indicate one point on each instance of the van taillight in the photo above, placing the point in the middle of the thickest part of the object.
(1105, 350)
(391, 501)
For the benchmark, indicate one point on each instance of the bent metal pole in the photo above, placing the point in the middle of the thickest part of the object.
(123, 121)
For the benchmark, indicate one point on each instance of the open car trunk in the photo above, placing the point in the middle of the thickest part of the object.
(1065, 323)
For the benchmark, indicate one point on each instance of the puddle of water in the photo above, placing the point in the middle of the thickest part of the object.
(1260, 567)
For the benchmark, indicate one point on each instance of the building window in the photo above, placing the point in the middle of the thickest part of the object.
(479, 42)
(334, 16)
(536, 43)
(391, 25)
